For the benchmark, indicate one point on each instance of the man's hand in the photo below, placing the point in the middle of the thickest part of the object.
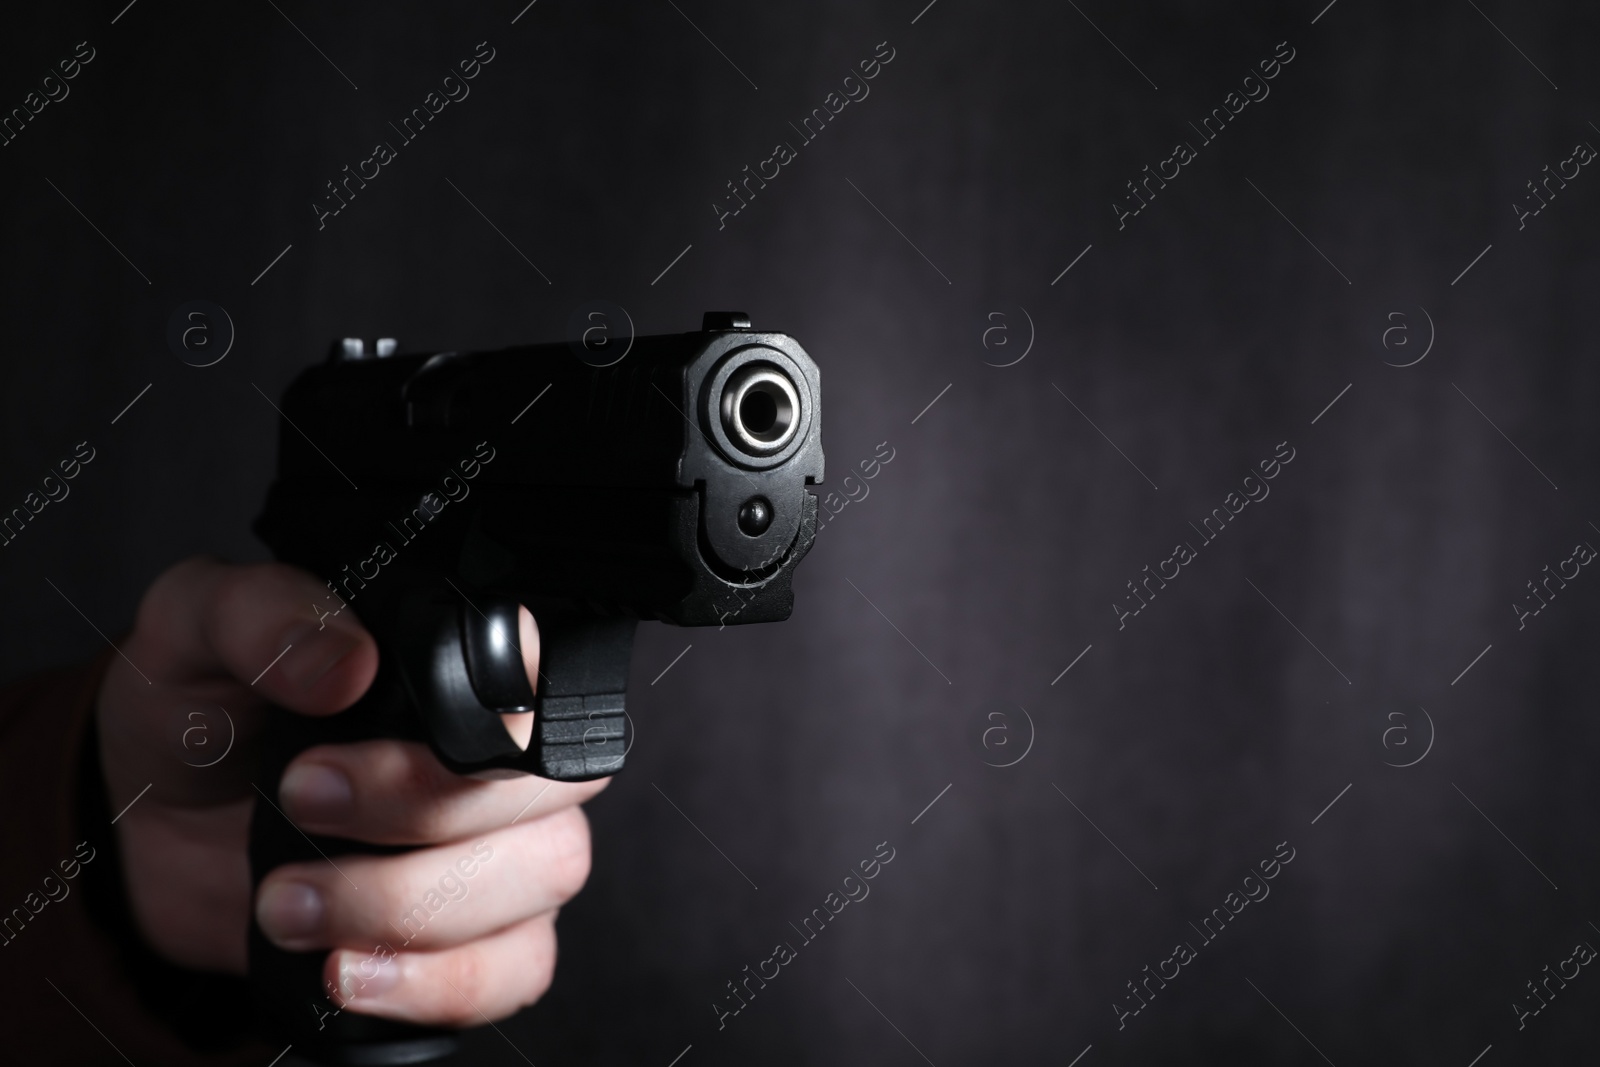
(501, 856)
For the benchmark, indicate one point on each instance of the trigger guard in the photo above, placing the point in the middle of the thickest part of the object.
(434, 664)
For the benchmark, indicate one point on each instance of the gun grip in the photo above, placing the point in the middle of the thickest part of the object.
(287, 989)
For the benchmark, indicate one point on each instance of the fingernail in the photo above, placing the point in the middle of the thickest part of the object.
(313, 653)
(290, 913)
(365, 977)
(316, 793)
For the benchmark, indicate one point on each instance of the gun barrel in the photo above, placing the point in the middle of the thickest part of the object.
(760, 409)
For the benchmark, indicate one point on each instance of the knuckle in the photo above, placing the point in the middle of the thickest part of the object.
(396, 785)
(230, 592)
(382, 901)
(236, 590)
(410, 920)
(415, 784)
(465, 971)
(242, 590)
(540, 969)
(567, 840)
(169, 603)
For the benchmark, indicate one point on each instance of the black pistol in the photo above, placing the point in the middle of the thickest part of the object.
(437, 492)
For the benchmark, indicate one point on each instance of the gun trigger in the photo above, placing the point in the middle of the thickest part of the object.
(494, 658)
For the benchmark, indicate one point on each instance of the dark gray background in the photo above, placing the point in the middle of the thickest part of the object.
(1197, 338)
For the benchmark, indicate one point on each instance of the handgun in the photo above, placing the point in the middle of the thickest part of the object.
(437, 492)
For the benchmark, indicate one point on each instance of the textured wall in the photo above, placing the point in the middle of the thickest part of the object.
(1204, 334)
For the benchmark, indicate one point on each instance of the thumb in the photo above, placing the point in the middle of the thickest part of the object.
(268, 626)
